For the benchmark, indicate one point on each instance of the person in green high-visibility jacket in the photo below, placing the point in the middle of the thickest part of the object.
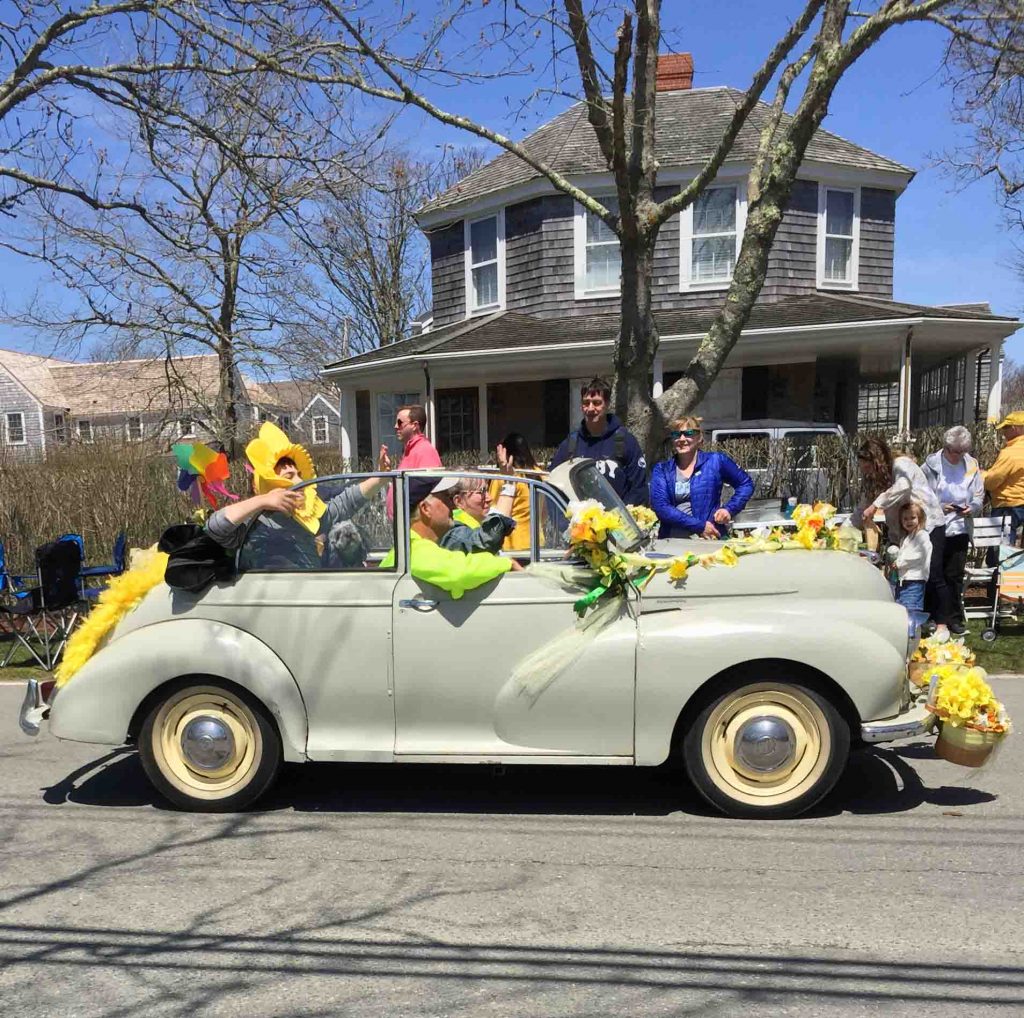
(454, 571)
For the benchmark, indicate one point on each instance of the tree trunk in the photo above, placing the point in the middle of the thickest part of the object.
(638, 344)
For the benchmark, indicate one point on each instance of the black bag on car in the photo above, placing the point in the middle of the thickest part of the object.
(195, 560)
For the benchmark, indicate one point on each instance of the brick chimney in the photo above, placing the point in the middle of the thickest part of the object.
(675, 72)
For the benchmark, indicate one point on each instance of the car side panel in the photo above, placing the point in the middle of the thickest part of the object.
(98, 703)
(680, 649)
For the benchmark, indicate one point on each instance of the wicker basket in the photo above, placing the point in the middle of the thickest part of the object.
(965, 746)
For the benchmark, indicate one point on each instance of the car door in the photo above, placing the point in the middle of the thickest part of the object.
(453, 662)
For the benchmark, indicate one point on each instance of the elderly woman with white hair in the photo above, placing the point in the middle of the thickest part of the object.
(956, 479)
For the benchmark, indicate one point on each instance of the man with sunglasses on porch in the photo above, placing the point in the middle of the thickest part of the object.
(686, 489)
(602, 437)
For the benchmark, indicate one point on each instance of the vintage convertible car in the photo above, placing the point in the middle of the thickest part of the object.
(757, 678)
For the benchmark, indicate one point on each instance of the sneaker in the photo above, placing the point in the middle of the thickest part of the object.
(941, 634)
(957, 628)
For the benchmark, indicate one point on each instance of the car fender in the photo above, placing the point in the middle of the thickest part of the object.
(100, 700)
(679, 651)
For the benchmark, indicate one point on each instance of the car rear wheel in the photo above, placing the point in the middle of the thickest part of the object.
(766, 749)
(209, 748)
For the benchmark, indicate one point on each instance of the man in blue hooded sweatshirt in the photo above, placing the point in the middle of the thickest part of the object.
(604, 438)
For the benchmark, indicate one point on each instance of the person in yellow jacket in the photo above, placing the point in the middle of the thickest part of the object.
(1004, 480)
(514, 456)
(453, 571)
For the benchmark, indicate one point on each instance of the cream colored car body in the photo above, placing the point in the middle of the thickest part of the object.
(373, 665)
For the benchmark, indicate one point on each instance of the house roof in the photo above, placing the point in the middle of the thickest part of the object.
(509, 330)
(137, 385)
(33, 372)
(690, 126)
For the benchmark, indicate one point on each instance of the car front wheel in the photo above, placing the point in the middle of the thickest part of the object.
(209, 748)
(766, 749)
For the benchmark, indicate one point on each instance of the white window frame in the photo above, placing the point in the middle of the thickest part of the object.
(579, 245)
(128, 428)
(60, 428)
(78, 430)
(320, 419)
(7, 427)
(484, 309)
(686, 281)
(837, 284)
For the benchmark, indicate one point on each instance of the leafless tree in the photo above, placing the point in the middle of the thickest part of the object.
(406, 59)
(365, 264)
(191, 261)
(1013, 386)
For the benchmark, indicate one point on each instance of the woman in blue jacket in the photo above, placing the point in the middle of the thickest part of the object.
(686, 490)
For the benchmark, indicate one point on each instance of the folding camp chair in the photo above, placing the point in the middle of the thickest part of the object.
(12, 585)
(114, 568)
(999, 568)
(42, 621)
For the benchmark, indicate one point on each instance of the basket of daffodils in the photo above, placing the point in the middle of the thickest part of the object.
(933, 652)
(974, 722)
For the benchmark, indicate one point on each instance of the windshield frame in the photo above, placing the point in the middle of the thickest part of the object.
(629, 537)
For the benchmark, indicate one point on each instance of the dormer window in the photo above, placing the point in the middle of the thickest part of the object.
(710, 233)
(838, 237)
(485, 264)
(598, 256)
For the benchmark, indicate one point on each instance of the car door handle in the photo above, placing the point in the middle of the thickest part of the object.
(421, 604)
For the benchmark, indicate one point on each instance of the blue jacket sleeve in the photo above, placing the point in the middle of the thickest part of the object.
(636, 475)
(740, 481)
(661, 503)
(561, 454)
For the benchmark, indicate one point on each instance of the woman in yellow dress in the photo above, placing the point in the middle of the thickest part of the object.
(514, 456)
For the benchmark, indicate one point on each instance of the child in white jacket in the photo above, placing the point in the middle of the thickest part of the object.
(913, 558)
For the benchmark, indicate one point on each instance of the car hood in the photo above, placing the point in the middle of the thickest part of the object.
(831, 575)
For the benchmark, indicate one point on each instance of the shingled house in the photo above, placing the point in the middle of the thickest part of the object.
(525, 295)
(46, 402)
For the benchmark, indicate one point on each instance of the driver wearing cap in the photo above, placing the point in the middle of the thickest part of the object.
(430, 509)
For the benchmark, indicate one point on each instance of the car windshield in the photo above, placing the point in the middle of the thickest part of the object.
(588, 482)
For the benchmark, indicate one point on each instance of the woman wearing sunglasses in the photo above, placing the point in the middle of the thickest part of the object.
(686, 490)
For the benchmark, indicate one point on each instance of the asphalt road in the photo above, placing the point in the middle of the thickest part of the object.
(541, 891)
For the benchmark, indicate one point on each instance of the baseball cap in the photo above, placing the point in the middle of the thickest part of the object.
(1014, 420)
(422, 485)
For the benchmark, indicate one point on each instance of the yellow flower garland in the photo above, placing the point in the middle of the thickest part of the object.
(122, 595)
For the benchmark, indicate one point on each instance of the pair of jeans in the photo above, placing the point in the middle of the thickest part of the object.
(910, 594)
(1016, 515)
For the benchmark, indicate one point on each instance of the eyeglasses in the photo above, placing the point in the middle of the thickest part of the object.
(474, 491)
(685, 433)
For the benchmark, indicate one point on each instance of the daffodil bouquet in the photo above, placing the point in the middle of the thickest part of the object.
(645, 518)
(963, 699)
(935, 651)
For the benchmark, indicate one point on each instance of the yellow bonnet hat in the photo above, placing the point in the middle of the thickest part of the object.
(265, 451)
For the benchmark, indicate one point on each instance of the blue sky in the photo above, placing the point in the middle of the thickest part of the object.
(951, 244)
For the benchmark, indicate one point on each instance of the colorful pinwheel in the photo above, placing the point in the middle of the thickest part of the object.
(201, 471)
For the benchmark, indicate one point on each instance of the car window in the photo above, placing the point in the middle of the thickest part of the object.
(352, 532)
(553, 526)
(750, 449)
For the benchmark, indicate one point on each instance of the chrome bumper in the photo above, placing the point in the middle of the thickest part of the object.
(34, 709)
(914, 721)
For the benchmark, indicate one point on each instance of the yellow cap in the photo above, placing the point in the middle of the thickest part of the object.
(1014, 420)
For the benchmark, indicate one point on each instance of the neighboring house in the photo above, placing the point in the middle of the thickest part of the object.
(525, 295)
(307, 411)
(48, 402)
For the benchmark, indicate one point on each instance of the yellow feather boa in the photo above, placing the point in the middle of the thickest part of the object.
(122, 595)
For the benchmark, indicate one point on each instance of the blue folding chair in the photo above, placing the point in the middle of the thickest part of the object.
(11, 584)
(114, 568)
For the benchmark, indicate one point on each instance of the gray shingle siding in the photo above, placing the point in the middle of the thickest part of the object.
(14, 399)
(792, 264)
(448, 274)
(877, 236)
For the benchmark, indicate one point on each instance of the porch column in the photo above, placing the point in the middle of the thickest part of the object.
(995, 374)
(970, 386)
(481, 412)
(428, 406)
(906, 382)
(349, 435)
(659, 376)
(574, 401)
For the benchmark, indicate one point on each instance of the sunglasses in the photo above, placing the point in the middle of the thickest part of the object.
(685, 433)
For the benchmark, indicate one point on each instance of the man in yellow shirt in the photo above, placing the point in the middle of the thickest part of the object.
(1004, 480)
(453, 571)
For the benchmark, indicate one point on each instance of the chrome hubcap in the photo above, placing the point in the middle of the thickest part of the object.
(764, 744)
(207, 743)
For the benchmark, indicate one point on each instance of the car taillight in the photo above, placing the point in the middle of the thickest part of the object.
(46, 690)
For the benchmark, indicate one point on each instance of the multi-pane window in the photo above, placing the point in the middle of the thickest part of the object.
(321, 432)
(133, 427)
(284, 422)
(457, 420)
(713, 243)
(60, 429)
(941, 393)
(839, 237)
(84, 430)
(483, 263)
(603, 257)
(15, 428)
(878, 406)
